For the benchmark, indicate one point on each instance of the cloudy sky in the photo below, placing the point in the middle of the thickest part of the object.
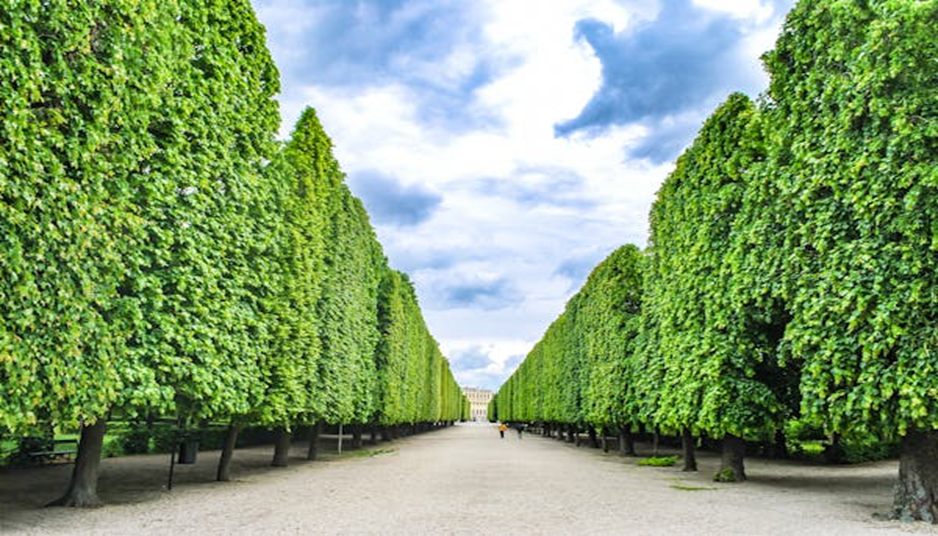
(504, 147)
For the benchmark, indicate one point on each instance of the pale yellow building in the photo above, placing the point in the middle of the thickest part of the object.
(478, 403)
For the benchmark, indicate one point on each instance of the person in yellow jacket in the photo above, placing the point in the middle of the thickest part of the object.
(501, 430)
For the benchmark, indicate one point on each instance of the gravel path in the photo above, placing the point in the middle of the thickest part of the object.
(461, 480)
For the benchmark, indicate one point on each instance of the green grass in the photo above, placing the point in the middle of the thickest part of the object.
(659, 461)
(691, 488)
(366, 453)
(812, 448)
(113, 447)
(7, 448)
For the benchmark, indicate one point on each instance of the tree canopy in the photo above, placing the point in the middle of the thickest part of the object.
(578, 371)
(790, 271)
(163, 256)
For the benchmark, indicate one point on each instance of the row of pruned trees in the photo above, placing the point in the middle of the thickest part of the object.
(792, 266)
(163, 256)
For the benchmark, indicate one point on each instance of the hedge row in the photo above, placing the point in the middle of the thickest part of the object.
(792, 267)
(164, 256)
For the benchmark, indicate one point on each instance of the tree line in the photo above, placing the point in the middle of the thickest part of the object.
(792, 266)
(165, 256)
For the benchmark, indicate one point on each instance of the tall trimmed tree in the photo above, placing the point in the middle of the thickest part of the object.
(610, 321)
(157, 119)
(348, 305)
(81, 85)
(714, 368)
(854, 96)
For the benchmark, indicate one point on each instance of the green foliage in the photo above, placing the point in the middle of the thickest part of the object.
(810, 449)
(348, 308)
(858, 449)
(161, 256)
(725, 475)
(855, 134)
(79, 94)
(377, 361)
(135, 440)
(853, 448)
(609, 319)
(718, 364)
(791, 270)
(659, 461)
(415, 383)
(112, 447)
(581, 370)
(137, 131)
(197, 287)
(799, 429)
(344, 307)
(297, 219)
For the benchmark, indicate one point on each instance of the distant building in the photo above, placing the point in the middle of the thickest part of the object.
(478, 402)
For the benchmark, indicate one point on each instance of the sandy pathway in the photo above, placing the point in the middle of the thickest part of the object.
(465, 480)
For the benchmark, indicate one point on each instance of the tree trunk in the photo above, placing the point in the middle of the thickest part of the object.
(83, 488)
(781, 445)
(917, 490)
(594, 439)
(281, 448)
(626, 441)
(833, 451)
(314, 431)
(731, 464)
(357, 436)
(374, 434)
(227, 453)
(602, 439)
(690, 450)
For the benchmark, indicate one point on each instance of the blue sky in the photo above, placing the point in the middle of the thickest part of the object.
(504, 147)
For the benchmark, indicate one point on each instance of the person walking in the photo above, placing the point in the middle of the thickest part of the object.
(520, 429)
(501, 430)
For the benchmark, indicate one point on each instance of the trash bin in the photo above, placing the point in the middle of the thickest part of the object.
(187, 452)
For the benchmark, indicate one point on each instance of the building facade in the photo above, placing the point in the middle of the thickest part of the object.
(478, 403)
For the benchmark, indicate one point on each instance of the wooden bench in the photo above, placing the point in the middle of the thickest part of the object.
(55, 450)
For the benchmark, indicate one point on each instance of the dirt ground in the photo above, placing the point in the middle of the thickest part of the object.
(461, 480)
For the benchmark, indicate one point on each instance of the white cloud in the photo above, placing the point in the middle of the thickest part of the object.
(742, 9)
(507, 245)
(503, 356)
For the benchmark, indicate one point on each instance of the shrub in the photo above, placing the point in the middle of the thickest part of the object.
(658, 461)
(868, 449)
(113, 447)
(136, 440)
(725, 475)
